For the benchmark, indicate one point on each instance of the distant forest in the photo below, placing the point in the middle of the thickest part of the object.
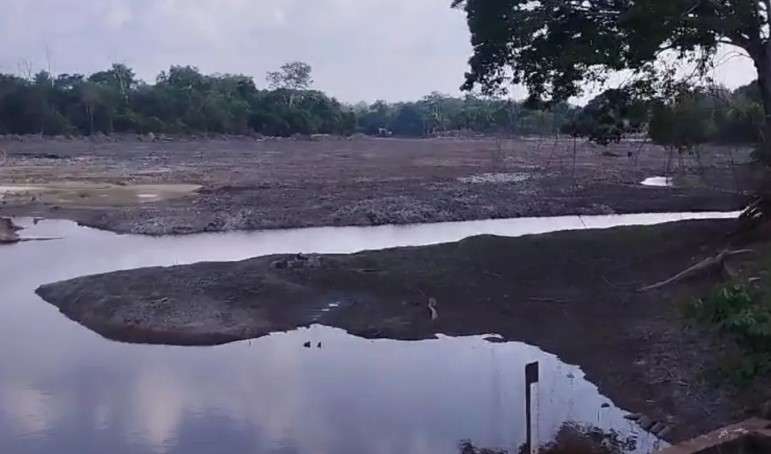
(183, 100)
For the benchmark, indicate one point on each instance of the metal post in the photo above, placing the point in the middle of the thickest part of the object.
(531, 406)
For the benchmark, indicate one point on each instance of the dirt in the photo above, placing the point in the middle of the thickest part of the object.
(247, 183)
(571, 293)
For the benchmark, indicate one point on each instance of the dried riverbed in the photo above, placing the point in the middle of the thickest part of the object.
(131, 186)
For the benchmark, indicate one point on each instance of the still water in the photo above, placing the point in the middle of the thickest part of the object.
(658, 182)
(64, 389)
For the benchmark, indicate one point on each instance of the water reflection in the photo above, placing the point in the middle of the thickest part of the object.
(272, 394)
(64, 389)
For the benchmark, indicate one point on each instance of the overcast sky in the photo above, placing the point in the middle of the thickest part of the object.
(359, 49)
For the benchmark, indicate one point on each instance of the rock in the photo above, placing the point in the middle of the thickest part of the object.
(645, 423)
(307, 344)
(658, 427)
(664, 432)
(633, 416)
(280, 264)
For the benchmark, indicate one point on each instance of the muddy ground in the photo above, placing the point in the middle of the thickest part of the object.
(571, 293)
(125, 184)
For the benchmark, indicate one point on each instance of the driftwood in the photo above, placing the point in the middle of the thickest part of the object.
(8, 231)
(709, 264)
(432, 308)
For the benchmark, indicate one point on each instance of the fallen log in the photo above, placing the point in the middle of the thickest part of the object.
(716, 263)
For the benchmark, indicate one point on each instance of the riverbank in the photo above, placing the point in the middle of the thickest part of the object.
(571, 293)
(240, 183)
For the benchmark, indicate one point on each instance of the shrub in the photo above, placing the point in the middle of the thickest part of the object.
(745, 315)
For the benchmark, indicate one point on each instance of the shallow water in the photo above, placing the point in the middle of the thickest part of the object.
(658, 182)
(64, 389)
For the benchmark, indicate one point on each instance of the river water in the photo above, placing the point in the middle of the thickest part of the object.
(64, 389)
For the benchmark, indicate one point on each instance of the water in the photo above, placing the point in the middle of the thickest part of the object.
(64, 389)
(658, 182)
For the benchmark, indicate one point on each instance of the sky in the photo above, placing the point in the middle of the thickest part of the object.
(360, 50)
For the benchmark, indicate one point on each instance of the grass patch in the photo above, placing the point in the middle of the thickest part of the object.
(744, 314)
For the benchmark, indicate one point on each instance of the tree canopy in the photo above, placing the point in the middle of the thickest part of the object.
(554, 47)
(292, 76)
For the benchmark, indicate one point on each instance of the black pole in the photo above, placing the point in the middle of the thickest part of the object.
(531, 376)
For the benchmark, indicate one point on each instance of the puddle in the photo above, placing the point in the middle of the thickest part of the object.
(65, 389)
(495, 178)
(658, 182)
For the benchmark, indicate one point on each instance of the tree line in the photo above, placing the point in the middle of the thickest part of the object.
(683, 117)
(183, 100)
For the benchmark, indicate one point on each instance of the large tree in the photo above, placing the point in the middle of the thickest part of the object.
(555, 47)
(291, 76)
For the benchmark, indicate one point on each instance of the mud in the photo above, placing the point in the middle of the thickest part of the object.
(571, 293)
(251, 183)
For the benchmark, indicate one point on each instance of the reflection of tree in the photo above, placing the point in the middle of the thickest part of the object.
(467, 447)
(577, 439)
(571, 439)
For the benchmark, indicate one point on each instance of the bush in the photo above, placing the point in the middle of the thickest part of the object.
(745, 315)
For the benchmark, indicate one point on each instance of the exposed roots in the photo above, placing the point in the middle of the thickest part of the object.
(716, 263)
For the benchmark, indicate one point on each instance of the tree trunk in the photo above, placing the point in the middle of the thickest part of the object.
(763, 67)
(759, 210)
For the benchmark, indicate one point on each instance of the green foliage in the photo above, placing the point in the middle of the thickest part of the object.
(291, 76)
(745, 315)
(609, 117)
(184, 100)
(693, 116)
(556, 47)
(438, 114)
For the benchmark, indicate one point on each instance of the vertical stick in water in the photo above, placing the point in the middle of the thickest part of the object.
(531, 406)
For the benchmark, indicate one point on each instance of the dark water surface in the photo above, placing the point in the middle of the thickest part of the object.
(64, 389)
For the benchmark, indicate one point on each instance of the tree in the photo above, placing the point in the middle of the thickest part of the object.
(685, 122)
(554, 47)
(608, 117)
(408, 121)
(291, 76)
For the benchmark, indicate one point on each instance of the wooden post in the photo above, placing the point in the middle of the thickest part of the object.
(531, 406)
